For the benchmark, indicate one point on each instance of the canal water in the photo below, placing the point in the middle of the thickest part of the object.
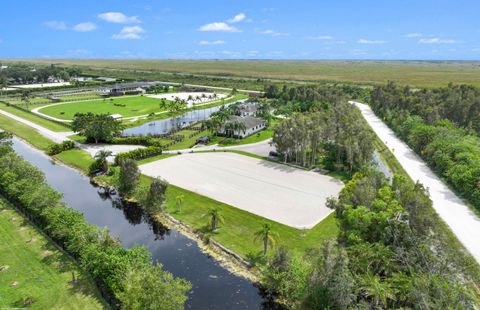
(213, 287)
(164, 126)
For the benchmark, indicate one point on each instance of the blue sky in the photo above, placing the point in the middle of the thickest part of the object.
(261, 29)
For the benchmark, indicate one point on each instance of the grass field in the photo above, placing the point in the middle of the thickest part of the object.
(25, 132)
(76, 158)
(126, 106)
(417, 73)
(38, 270)
(35, 118)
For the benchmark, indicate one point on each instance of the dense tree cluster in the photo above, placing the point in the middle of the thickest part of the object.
(96, 127)
(385, 255)
(458, 103)
(25, 74)
(311, 97)
(126, 275)
(429, 120)
(337, 134)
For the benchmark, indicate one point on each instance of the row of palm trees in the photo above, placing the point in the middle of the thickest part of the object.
(266, 235)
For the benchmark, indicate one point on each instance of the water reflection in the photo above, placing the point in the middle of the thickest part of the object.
(164, 126)
(213, 287)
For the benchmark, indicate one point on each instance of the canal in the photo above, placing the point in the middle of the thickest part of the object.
(213, 287)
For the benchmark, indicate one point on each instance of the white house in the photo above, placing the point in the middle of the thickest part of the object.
(246, 109)
(252, 125)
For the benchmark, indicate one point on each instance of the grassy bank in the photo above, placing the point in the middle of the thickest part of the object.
(35, 119)
(25, 132)
(38, 270)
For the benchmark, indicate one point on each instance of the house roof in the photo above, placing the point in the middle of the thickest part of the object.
(133, 85)
(247, 107)
(250, 122)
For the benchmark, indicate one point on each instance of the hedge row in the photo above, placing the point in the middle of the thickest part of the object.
(57, 148)
(139, 154)
(121, 274)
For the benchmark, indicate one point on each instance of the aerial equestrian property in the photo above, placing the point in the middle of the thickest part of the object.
(240, 155)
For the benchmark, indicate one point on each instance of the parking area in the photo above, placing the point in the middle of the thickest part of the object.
(284, 194)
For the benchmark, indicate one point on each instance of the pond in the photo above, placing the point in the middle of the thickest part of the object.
(213, 287)
(164, 126)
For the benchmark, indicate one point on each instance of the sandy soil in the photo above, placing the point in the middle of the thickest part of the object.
(283, 194)
(41, 85)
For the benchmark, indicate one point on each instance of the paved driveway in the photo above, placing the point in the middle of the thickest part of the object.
(284, 194)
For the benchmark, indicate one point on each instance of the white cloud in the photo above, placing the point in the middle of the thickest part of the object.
(232, 54)
(272, 33)
(414, 35)
(237, 18)
(253, 53)
(366, 41)
(437, 41)
(55, 24)
(219, 26)
(217, 42)
(322, 38)
(85, 27)
(129, 33)
(118, 18)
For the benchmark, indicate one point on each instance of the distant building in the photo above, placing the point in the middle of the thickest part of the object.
(106, 79)
(81, 78)
(252, 125)
(246, 109)
(134, 88)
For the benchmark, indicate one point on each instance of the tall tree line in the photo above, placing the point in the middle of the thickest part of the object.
(336, 134)
(442, 126)
(458, 103)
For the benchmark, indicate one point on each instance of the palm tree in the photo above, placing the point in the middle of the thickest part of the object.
(179, 201)
(377, 290)
(102, 156)
(215, 218)
(3, 84)
(267, 236)
(26, 97)
(163, 104)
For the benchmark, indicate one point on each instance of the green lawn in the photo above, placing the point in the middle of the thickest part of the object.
(188, 142)
(35, 118)
(134, 106)
(237, 232)
(25, 132)
(257, 137)
(76, 158)
(39, 269)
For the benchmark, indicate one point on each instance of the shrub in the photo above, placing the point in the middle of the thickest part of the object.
(60, 147)
(138, 154)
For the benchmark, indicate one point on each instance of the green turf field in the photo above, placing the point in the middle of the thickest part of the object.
(126, 106)
(38, 271)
